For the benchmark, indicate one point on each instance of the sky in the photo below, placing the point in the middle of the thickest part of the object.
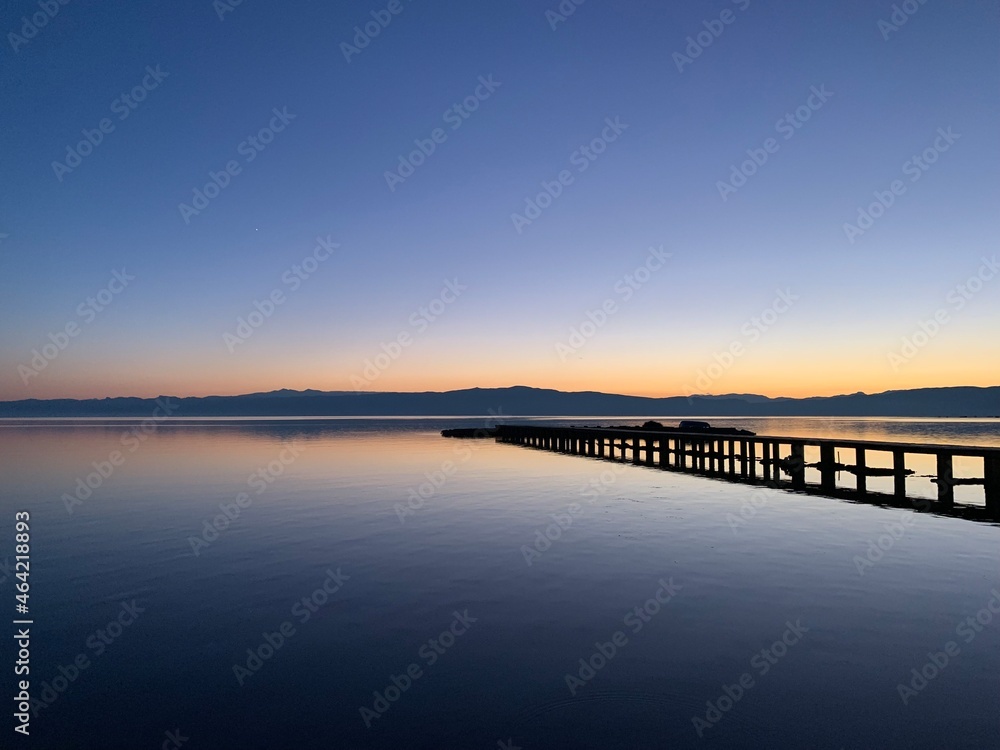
(633, 197)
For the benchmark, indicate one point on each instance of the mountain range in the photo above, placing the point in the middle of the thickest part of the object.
(959, 401)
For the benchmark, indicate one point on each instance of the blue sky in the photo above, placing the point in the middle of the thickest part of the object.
(655, 185)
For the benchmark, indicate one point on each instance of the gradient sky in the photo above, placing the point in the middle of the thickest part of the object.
(656, 185)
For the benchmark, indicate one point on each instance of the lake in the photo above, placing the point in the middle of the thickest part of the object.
(349, 583)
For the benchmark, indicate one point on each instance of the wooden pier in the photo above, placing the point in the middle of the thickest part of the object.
(777, 461)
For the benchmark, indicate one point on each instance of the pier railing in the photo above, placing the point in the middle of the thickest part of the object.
(759, 458)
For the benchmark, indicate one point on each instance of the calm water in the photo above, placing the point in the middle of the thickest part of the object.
(761, 613)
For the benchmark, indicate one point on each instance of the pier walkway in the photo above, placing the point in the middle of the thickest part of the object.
(777, 461)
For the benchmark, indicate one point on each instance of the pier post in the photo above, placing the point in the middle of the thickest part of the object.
(862, 478)
(828, 467)
(732, 457)
(636, 451)
(945, 474)
(798, 465)
(752, 458)
(899, 474)
(991, 483)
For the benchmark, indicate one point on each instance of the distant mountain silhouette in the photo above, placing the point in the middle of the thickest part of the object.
(962, 401)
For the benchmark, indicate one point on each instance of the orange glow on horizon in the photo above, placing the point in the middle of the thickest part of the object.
(806, 370)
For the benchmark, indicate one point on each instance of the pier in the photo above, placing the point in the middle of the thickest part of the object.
(779, 462)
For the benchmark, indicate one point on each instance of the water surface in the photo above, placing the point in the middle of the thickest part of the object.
(407, 529)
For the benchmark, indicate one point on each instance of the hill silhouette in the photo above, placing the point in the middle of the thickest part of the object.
(960, 401)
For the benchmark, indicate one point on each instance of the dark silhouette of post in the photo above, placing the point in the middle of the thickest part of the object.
(945, 475)
(797, 464)
(899, 474)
